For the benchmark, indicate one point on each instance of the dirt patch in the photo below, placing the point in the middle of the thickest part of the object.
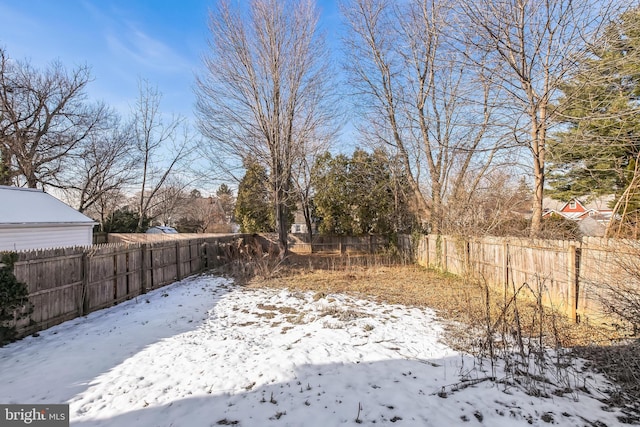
(266, 307)
(340, 314)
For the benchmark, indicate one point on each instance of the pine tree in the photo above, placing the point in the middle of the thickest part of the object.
(597, 150)
(124, 220)
(332, 194)
(225, 197)
(253, 210)
(360, 195)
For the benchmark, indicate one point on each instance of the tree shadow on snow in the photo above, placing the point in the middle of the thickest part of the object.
(391, 392)
(71, 355)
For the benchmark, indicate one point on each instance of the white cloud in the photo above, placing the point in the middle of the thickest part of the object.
(134, 44)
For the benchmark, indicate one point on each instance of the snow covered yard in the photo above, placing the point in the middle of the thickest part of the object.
(203, 352)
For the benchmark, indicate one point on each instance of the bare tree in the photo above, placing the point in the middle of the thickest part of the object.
(266, 90)
(152, 136)
(169, 203)
(206, 214)
(44, 117)
(303, 182)
(420, 99)
(106, 204)
(6, 173)
(104, 164)
(534, 46)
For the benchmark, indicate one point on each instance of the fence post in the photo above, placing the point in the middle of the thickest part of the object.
(467, 257)
(204, 257)
(505, 265)
(426, 240)
(115, 276)
(86, 281)
(573, 282)
(178, 263)
(143, 268)
(128, 270)
(445, 266)
(215, 257)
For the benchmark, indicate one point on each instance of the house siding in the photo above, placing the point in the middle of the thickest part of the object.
(19, 238)
(577, 208)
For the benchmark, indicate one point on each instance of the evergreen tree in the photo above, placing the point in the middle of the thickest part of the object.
(5, 168)
(14, 298)
(597, 151)
(253, 210)
(360, 195)
(333, 198)
(124, 221)
(225, 197)
(370, 179)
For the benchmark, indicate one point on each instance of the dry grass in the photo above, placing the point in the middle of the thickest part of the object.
(476, 315)
(461, 302)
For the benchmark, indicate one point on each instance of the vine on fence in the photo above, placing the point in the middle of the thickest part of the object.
(14, 299)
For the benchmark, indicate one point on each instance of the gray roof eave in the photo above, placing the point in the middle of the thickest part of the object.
(44, 224)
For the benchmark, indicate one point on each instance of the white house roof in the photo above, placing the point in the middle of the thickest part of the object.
(31, 206)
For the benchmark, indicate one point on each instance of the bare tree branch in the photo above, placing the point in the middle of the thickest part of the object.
(44, 119)
(266, 91)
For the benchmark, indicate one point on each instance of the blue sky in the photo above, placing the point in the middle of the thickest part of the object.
(121, 40)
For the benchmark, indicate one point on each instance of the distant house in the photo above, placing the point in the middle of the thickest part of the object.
(33, 219)
(299, 224)
(592, 217)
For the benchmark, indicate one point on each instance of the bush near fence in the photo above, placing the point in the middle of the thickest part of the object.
(570, 275)
(69, 282)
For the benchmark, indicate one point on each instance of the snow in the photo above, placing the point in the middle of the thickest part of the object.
(205, 352)
(31, 206)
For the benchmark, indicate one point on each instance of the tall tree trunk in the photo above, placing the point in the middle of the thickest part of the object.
(306, 211)
(281, 217)
(5, 167)
(436, 207)
(538, 136)
(538, 197)
(283, 228)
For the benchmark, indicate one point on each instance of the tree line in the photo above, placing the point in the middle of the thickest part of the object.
(53, 137)
(468, 113)
(459, 97)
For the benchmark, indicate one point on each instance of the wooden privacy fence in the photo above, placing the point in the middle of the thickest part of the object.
(575, 277)
(70, 282)
(300, 243)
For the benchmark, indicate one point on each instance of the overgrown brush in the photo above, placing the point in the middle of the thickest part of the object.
(519, 330)
(255, 259)
(516, 329)
(508, 327)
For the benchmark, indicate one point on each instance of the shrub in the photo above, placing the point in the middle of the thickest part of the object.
(14, 299)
